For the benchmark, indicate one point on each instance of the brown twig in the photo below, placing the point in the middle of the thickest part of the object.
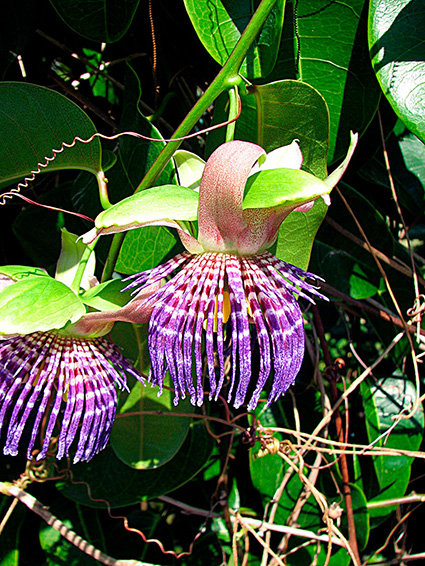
(352, 538)
(362, 305)
(84, 101)
(399, 266)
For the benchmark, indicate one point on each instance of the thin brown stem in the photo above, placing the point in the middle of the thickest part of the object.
(352, 538)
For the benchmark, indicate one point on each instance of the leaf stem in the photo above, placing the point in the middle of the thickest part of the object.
(233, 111)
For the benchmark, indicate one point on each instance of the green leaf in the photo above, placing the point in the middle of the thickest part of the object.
(38, 304)
(70, 257)
(168, 202)
(382, 402)
(279, 188)
(331, 54)
(138, 440)
(35, 120)
(288, 110)
(396, 39)
(300, 227)
(219, 25)
(144, 249)
(97, 20)
(107, 296)
(121, 485)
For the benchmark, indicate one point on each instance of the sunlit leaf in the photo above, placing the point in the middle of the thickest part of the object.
(37, 304)
(396, 40)
(219, 25)
(71, 254)
(282, 188)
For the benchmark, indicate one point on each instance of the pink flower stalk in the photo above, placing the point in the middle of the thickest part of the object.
(228, 264)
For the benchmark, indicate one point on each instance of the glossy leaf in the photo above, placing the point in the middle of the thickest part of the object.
(282, 188)
(121, 485)
(219, 25)
(142, 441)
(145, 248)
(37, 304)
(383, 402)
(107, 296)
(97, 20)
(288, 110)
(396, 39)
(168, 202)
(305, 117)
(35, 120)
(331, 55)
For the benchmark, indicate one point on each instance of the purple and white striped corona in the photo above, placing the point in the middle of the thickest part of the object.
(227, 290)
(52, 384)
(213, 298)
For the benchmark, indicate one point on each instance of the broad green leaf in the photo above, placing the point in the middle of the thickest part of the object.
(146, 248)
(300, 227)
(396, 43)
(121, 485)
(34, 120)
(383, 402)
(38, 304)
(70, 257)
(141, 441)
(331, 55)
(219, 25)
(106, 296)
(288, 110)
(168, 202)
(279, 188)
(189, 168)
(97, 20)
(17, 272)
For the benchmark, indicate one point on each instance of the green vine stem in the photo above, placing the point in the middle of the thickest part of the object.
(226, 79)
(233, 112)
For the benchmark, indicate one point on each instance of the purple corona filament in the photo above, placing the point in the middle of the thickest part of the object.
(189, 309)
(51, 384)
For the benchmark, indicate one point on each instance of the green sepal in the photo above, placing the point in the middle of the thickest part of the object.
(189, 168)
(38, 304)
(107, 296)
(152, 205)
(18, 272)
(281, 188)
(70, 257)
